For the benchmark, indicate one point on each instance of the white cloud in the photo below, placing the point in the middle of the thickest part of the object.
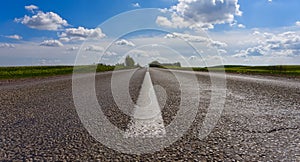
(297, 23)
(217, 44)
(124, 42)
(282, 44)
(163, 21)
(110, 53)
(253, 51)
(137, 53)
(74, 48)
(199, 39)
(93, 48)
(47, 61)
(222, 51)
(7, 45)
(31, 8)
(187, 37)
(17, 37)
(99, 50)
(241, 26)
(201, 13)
(236, 40)
(137, 5)
(64, 39)
(191, 58)
(81, 33)
(256, 33)
(51, 43)
(175, 22)
(43, 21)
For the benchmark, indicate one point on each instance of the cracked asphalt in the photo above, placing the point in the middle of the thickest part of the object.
(260, 120)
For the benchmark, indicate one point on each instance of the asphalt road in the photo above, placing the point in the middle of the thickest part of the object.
(260, 120)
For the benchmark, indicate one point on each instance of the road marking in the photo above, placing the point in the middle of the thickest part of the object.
(147, 120)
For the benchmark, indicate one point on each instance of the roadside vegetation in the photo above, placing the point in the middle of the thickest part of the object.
(165, 65)
(292, 70)
(284, 70)
(129, 63)
(44, 71)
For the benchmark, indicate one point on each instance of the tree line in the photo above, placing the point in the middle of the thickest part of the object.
(161, 65)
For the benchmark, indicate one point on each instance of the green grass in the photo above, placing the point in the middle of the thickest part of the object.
(287, 70)
(42, 71)
(291, 70)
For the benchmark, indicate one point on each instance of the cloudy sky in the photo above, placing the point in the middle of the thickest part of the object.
(193, 32)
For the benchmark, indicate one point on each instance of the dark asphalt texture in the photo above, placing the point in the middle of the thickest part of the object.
(260, 121)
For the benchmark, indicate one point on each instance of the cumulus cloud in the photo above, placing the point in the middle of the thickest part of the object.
(137, 5)
(17, 37)
(187, 37)
(253, 51)
(297, 23)
(163, 21)
(31, 8)
(201, 14)
(124, 42)
(7, 45)
(175, 22)
(99, 50)
(282, 44)
(43, 21)
(199, 39)
(256, 33)
(217, 44)
(81, 33)
(51, 43)
(241, 26)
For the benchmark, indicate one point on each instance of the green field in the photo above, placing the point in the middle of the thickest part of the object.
(291, 70)
(41, 71)
(284, 70)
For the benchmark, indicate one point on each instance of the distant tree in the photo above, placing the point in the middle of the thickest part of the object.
(120, 64)
(154, 64)
(129, 61)
(161, 65)
(177, 64)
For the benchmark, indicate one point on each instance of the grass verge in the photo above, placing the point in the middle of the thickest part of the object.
(285, 70)
(42, 71)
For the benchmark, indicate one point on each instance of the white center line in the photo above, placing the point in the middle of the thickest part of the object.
(147, 120)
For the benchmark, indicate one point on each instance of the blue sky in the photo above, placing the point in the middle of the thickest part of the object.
(50, 32)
